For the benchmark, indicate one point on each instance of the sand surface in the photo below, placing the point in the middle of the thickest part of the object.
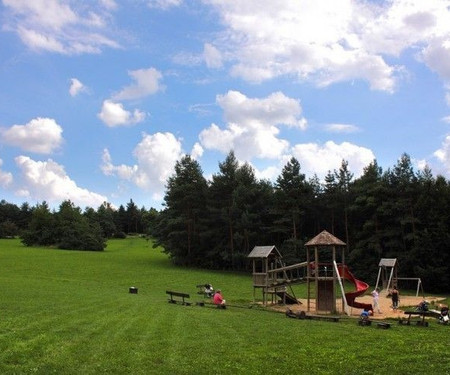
(385, 305)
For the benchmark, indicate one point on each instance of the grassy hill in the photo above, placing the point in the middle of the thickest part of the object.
(70, 312)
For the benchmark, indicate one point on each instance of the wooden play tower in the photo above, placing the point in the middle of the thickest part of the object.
(272, 277)
(322, 253)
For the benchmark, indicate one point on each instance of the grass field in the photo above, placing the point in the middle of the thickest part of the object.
(70, 312)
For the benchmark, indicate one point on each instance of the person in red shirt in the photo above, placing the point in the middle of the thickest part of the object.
(218, 299)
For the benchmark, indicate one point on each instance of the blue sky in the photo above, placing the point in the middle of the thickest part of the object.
(100, 98)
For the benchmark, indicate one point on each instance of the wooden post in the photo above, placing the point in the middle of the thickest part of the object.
(308, 278)
(334, 281)
(316, 274)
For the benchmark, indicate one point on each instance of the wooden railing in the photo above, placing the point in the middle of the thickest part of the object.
(281, 275)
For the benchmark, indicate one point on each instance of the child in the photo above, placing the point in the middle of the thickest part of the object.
(376, 295)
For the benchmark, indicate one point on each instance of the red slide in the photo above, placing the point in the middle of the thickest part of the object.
(361, 288)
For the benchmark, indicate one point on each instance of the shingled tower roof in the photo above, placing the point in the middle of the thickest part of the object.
(325, 238)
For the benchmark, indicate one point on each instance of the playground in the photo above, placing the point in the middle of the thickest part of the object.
(331, 287)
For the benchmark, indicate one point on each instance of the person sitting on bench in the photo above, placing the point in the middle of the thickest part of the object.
(218, 300)
(209, 290)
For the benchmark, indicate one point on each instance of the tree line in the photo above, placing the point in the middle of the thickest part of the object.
(398, 213)
(71, 228)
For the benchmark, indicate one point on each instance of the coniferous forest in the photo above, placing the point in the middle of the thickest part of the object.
(398, 213)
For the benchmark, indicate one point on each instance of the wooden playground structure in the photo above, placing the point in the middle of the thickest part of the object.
(273, 277)
(321, 272)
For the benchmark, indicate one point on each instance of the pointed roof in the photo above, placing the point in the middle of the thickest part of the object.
(263, 252)
(325, 238)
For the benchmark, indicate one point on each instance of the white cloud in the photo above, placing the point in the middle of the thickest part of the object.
(266, 39)
(40, 135)
(443, 154)
(76, 87)
(164, 4)
(147, 82)
(253, 125)
(60, 27)
(275, 109)
(156, 156)
(212, 56)
(341, 128)
(47, 180)
(6, 178)
(319, 159)
(447, 98)
(197, 151)
(270, 173)
(109, 4)
(446, 119)
(113, 114)
(437, 56)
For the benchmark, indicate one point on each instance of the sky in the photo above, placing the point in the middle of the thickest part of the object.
(100, 98)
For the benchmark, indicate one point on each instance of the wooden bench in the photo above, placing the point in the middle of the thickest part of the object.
(329, 318)
(383, 325)
(420, 314)
(183, 296)
(303, 315)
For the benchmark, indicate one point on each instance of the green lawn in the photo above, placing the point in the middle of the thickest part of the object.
(70, 312)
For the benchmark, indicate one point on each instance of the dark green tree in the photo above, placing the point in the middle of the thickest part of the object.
(9, 219)
(179, 225)
(343, 181)
(293, 196)
(223, 212)
(76, 231)
(105, 217)
(8, 229)
(133, 217)
(366, 210)
(251, 199)
(41, 230)
(121, 221)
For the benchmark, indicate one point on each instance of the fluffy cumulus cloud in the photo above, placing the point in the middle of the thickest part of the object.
(76, 87)
(197, 151)
(60, 26)
(443, 154)
(266, 39)
(253, 125)
(40, 135)
(114, 114)
(47, 180)
(146, 82)
(319, 159)
(6, 178)
(437, 57)
(155, 156)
